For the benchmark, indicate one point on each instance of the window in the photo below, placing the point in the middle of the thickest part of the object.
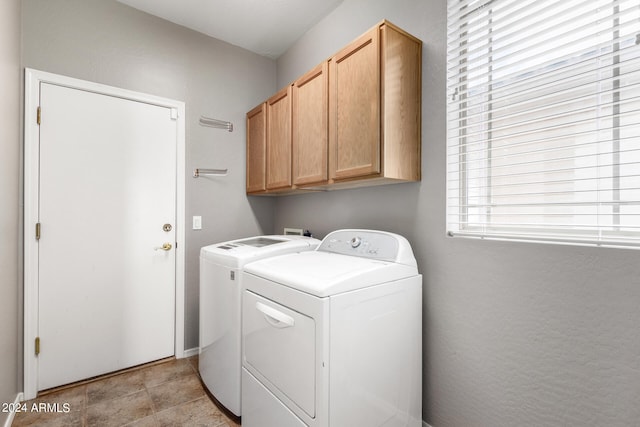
(543, 120)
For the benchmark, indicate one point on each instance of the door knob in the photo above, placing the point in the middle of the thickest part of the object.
(165, 247)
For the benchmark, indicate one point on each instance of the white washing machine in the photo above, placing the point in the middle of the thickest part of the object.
(220, 308)
(333, 337)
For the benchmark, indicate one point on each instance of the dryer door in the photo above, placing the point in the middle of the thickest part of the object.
(279, 346)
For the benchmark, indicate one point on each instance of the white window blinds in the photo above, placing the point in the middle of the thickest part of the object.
(543, 120)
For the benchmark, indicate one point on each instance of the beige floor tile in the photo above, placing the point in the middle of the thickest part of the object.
(194, 362)
(116, 386)
(165, 372)
(149, 421)
(49, 419)
(120, 411)
(64, 407)
(164, 394)
(197, 413)
(75, 397)
(176, 392)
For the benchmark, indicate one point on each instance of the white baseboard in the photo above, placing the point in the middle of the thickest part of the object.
(190, 352)
(12, 414)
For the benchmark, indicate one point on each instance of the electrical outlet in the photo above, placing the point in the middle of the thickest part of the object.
(197, 223)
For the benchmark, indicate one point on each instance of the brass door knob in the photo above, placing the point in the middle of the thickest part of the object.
(166, 247)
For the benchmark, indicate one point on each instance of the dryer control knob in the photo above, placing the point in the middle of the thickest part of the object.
(355, 242)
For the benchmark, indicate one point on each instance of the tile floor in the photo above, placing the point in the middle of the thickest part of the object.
(164, 394)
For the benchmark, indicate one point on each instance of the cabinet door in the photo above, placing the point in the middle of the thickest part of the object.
(354, 116)
(256, 148)
(279, 140)
(310, 127)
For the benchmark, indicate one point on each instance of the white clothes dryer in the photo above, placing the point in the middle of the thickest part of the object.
(333, 337)
(220, 308)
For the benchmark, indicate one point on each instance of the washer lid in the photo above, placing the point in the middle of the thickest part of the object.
(326, 273)
(235, 253)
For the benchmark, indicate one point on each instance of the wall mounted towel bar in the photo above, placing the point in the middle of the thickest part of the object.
(215, 123)
(214, 172)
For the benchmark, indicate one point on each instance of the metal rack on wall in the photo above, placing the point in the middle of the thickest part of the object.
(198, 172)
(216, 124)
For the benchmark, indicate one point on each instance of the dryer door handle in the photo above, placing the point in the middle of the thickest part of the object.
(274, 317)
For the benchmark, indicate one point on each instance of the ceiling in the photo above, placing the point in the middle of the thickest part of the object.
(266, 27)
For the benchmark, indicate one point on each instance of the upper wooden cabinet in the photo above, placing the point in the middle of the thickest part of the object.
(279, 140)
(354, 120)
(310, 128)
(355, 108)
(375, 107)
(256, 148)
(269, 145)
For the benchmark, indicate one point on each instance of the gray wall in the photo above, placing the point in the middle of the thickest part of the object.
(515, 334)
(9, 200)
(107, 42)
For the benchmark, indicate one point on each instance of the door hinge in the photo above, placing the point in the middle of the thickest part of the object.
(37, 346)
(39, 115)
(38, 228)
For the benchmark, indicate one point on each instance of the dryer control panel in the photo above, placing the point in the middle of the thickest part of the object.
(364, 243)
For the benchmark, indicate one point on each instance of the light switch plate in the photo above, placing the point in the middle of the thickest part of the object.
(197, 223)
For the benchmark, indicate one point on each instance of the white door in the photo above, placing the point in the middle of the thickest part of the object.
(107, 184)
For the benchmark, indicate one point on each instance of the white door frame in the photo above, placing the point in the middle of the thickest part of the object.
(33, 79)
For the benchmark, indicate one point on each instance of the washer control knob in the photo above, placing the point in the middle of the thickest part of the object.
(355, 242)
